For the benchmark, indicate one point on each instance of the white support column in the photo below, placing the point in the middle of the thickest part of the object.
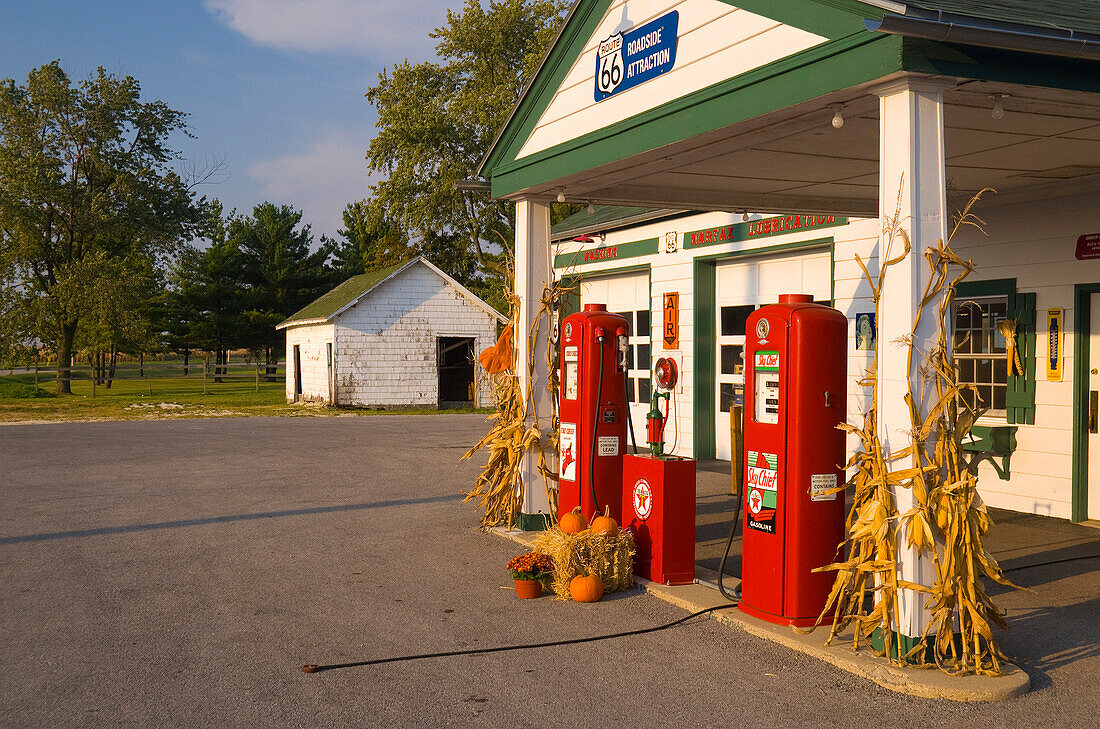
(911, 154)
(533, 274)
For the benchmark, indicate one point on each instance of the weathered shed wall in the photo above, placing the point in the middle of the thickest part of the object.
(386, 344)
(313, 341)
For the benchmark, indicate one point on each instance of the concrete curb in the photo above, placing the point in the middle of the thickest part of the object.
(923, 682)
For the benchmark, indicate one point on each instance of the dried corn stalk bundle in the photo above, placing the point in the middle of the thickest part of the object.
(1007, 328)
(514, 431)
(611, 558)
(949, 521)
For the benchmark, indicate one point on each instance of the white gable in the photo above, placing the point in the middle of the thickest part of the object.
(715, 41)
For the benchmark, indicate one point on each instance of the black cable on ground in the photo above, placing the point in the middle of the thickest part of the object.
(311, 668)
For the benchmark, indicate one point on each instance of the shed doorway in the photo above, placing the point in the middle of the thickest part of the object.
(455, 356)
(297, 372)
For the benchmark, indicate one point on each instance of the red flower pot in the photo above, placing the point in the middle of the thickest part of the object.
(527, 589)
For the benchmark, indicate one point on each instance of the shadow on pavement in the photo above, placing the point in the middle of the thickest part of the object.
(131, 528)
(1054, 624)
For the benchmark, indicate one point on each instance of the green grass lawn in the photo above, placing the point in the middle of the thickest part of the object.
(160, 397)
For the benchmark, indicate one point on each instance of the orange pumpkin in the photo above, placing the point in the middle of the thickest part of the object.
(573, 522)
(605, 524)
(586, 588)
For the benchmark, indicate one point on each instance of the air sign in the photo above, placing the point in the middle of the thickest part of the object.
(625, 60)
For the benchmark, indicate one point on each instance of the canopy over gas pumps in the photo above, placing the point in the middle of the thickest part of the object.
(843, 107)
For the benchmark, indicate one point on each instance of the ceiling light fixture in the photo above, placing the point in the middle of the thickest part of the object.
(744, 216)
(838, 117)
(561, 195)
(590, 208)
(998, 106)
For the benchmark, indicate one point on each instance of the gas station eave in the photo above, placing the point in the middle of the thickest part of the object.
(833, 19)
(815, 73)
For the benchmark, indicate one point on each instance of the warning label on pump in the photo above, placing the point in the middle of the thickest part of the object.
(608, 445)
(567, 451)
(762, 485)
(820, 485)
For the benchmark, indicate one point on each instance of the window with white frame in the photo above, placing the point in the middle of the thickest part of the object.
(637, 357)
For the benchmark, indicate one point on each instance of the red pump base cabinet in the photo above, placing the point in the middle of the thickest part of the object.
(795, 395)
(659, 509)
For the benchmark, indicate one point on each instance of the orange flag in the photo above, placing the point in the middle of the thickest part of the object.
(498, 357)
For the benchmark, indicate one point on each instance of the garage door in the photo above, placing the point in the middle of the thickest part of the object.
(628, 295)
(742, 286)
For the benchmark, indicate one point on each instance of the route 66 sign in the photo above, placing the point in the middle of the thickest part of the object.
(609, 64)
(632, 57)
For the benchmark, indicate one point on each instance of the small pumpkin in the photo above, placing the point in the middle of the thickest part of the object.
(586, 588)
(573, 522)
(605, 524)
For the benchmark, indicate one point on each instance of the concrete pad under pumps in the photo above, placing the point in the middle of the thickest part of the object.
(924, 682)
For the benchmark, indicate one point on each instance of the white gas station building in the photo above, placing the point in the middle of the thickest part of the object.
(841, 110)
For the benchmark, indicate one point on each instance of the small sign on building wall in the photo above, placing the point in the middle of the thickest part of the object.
(1088, 246)
(1054, 344)
(671, 321)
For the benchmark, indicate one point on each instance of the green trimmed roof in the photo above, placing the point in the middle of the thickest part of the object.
(608, 217)
(1080, 15)
(347, 292)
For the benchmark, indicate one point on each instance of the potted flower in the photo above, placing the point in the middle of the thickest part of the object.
(528, 571)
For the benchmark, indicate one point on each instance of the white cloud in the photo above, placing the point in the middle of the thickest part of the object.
(385, 30)
(320, 179)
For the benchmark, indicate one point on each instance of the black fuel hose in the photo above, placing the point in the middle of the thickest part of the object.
(735, 596)
(313, 668)
(595, 427)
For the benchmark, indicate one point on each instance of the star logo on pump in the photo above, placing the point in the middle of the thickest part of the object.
(756, 500)
(643, 499)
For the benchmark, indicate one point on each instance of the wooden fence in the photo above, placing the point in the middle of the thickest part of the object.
(150, 371)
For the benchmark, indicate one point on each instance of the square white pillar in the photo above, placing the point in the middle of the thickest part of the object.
(913, 182)
(533, 276)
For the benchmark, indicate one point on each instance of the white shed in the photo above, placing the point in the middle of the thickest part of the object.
(404, 336)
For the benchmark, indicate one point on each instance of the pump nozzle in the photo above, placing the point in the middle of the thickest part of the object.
(624, 348)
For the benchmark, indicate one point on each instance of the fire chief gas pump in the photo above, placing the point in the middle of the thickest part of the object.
(592, 412)
(795, 395)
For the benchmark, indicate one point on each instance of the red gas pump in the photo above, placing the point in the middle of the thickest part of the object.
(592, 412)
(659, 497)
(795, 395)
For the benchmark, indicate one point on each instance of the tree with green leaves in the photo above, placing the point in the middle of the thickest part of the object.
(120, 301)
(201, 298)
(370, 242)
(206, 303)
(279, 274)
(436, 120)
(85, 182)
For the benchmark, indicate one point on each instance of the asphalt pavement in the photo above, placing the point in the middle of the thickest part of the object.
(179, 573)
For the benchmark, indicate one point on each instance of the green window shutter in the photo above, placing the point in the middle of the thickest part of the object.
(1020, 399)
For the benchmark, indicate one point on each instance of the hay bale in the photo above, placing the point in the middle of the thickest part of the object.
(609, 558)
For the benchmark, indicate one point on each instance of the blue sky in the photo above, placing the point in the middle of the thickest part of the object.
(275, 87)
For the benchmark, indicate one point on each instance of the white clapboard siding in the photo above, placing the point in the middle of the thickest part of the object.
(386, 344)
(715, 41)
(312, 341)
